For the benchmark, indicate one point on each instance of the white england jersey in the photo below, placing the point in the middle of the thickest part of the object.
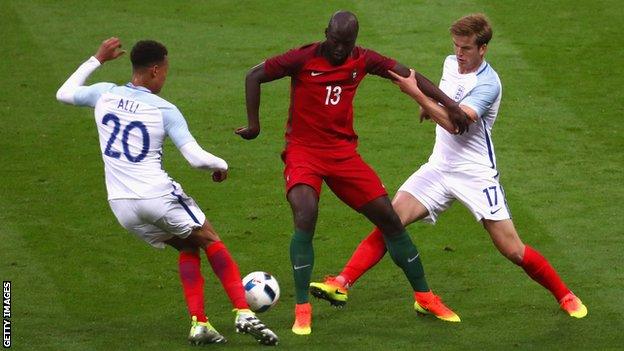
(132, 125)
(481, 91)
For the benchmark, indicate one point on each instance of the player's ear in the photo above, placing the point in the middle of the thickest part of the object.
(154, 70)
(483, 49)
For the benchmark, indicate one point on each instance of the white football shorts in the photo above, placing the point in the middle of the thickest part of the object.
(159, 219)
(479, 190)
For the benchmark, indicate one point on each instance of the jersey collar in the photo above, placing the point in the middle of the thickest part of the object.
(478, 71)
(482, 67)
(138, 87)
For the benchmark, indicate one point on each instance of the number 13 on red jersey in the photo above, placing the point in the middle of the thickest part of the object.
(333, 94)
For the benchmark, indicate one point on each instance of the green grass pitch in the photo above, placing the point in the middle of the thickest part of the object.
(80, 282)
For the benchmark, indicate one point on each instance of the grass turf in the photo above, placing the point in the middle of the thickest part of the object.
(81, 283)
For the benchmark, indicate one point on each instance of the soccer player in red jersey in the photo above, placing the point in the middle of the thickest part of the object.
(321, 146)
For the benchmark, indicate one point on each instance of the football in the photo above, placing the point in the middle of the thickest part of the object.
(261, 291)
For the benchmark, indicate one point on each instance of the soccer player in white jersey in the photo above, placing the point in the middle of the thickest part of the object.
(461, 167)
(132, 123)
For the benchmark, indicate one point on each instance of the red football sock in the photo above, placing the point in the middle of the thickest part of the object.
(227, 270)
(538, 268)
(367, 254)
(192, 283)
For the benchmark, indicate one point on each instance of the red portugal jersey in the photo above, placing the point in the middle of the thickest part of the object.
(321, 95)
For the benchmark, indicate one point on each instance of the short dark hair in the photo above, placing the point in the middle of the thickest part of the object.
(476, 24)
(146, 53)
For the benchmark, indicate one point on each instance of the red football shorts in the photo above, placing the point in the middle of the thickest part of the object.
(346, 174)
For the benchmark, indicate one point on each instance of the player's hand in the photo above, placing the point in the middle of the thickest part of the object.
(459, 118)
(219, 176)
(110, 49)
(248, 133)
(407, 84)
(423, 115)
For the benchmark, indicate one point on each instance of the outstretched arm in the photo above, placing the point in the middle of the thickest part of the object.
(177, 129)
(424, 84)
(254, 78)
(202, 159)
(456, 115)
(430, 108)
(110, 49)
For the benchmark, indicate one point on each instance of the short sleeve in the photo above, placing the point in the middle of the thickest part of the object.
(89, 95)
(378, 64)
(482, 97)
(288, 63)
(176, 127)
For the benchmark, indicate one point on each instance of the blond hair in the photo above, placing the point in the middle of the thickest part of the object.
(475, 24)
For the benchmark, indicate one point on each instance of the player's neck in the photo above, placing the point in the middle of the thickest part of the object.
(139, 81)
(471, 69)
(324, 52)
(327, 55)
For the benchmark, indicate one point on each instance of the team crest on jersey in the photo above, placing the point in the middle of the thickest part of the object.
(459, 93)
(354, 74)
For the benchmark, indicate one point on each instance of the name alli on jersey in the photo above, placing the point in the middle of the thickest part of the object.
(128, 105)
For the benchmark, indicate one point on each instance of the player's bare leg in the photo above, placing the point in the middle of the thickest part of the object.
(408, 208)
(507, 241)
(303, 200)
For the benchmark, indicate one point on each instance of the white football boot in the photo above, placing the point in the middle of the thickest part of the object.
(246, 322)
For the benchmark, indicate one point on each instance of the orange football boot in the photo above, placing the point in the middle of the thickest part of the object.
(573, 306)
(429, 303)
(303, 319)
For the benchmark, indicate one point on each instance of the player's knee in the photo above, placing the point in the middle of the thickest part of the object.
(191, 249)
(305, 220)
(305, 211)
(389, 221)
(205, 236)
(513, 254)
(182, 245)
(381, 213)
(204, 242)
